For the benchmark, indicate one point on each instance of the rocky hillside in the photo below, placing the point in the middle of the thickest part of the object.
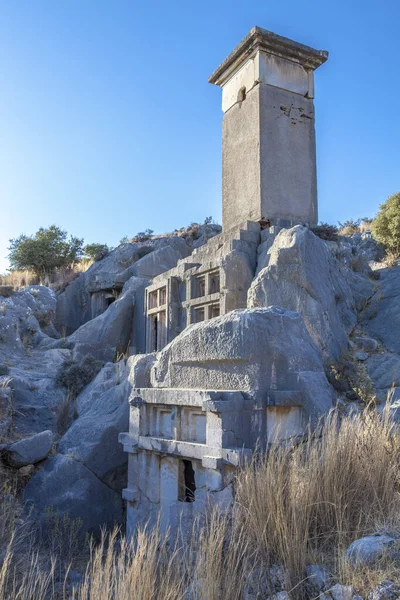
(65, 376)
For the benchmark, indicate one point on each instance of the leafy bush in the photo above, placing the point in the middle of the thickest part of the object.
(326, 232)
(386, 225)
(47, 250)
(96, 251)
(75, 376)
(142, 236)
(6, 291)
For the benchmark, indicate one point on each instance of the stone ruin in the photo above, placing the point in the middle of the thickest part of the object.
(237, 377)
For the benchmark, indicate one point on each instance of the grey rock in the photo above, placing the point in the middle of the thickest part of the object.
(366, 344)
(103, 413)
(6, 405)
(386, 323)
(110, 332)
(280, 596)
(361, 286)
(250, 350)
(319, 578)
(74, 304)
(29, 450)
(139, 368)
(341, 592)
(279, 578)
(384, 370)
(19, 319)
(35, 392)
(161, 260)
(361, 356)
(303, 276)
(368, 550)
(69, 487)
(386, 590)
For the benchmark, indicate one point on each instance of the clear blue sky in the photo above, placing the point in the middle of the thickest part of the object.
(108, 125)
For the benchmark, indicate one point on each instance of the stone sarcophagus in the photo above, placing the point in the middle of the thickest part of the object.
(184, 447)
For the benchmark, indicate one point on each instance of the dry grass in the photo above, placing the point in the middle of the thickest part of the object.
(150, 567)
(307, 504)
(295, 506)
(58, 280)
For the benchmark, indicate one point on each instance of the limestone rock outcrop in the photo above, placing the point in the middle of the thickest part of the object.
(247, 349)
(101, 414)
(30, 450)
(303, 276)
(371, 549)
(144, 259)
(109, 333)
(385, 323)
(69, 487)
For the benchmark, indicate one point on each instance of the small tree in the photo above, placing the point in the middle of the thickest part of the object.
(386, 225)
(44, 252)
(96, 251)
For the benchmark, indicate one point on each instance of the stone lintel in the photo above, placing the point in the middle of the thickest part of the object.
(230, 401)
(270, 43)
(230, 456)
(207, 400)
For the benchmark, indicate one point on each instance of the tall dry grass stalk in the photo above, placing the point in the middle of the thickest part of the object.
(144, 569)
(307, 503)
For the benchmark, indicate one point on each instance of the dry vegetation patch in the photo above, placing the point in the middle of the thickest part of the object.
(296, 505)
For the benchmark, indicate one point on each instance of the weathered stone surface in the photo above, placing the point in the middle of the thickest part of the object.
(70, 487)
(139, 369)
(319, 578)
(384, 369)
(73, 305)
(35, 393)
(361, 287)
(19, 319)
(268, 132)
(110, 332)
(366, 344)
(103, 413)
(161, 260)
(386, 590)
(5, 407)
(303, 276)
(386, 323)
(341, 592)
(368, 550)
(29, 450)
(253, 350)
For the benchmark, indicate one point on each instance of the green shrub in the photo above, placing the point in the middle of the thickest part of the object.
(96, 251)
(43, 253)
(6, 291)
(75, 376)
(326, 232)
(386, 225)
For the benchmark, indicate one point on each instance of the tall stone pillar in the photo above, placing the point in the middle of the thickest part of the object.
(268, 139)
